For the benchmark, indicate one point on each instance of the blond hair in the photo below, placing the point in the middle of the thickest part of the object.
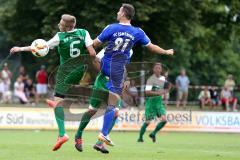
(67, 22)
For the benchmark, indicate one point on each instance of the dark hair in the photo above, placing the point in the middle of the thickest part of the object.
(128, 10)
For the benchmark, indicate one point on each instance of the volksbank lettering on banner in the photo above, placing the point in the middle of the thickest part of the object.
(218, 119)
(183, 121)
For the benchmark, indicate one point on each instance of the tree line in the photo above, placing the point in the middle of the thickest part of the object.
(204, 33)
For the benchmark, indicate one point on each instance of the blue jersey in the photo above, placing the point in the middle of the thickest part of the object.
(120, 39)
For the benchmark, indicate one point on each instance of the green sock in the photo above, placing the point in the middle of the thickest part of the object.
(143, 130)
(99, 142)
(59, 116)
(159, 126)
(84, 122)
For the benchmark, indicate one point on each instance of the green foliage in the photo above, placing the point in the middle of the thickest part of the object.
(203, 32)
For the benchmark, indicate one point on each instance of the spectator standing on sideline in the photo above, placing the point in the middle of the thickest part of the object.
(182, 84)
(6, 95)
(6, 76)
(41, 77)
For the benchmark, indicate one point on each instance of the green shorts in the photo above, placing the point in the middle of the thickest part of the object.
(68, 74)
(100, 92)
(154, 107)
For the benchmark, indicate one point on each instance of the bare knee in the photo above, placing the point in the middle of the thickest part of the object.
(164, 118)
(92, 111)
(147, 123)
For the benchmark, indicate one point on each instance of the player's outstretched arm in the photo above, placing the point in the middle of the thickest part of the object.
(20, 49)
(156, 49)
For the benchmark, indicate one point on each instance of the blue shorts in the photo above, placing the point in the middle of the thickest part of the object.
(114, 69)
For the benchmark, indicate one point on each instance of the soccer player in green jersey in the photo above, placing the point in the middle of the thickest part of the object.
(154, 107)
(71, 44)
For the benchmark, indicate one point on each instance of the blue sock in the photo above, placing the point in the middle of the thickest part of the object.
(108, 120)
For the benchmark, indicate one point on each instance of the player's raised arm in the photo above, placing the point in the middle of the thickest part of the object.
(53, 42)
(156, 49)
(20, 49)
(145, 41)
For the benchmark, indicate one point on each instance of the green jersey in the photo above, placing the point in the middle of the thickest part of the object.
(71, 44)
(154, 106)
(155, 84)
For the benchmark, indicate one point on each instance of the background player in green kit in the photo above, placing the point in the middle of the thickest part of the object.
(71, 44)
(154, 106)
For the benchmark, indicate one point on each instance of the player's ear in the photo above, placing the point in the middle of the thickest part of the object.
(74, 25)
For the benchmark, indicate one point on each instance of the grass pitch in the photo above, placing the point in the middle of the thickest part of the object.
(37, 145)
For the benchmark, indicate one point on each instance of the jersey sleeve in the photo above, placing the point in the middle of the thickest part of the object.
(88, 40)
(105, 35)
(143, 38)
(53, 42)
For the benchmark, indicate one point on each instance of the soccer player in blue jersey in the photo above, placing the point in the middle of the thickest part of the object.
(120, 38)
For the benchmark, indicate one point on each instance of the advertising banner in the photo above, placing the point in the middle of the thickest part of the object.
(129, 119)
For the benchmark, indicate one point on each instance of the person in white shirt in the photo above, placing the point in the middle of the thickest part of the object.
(205, 98)
(230, 83)
(6, 76)
(227, 99)
(19, 91)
